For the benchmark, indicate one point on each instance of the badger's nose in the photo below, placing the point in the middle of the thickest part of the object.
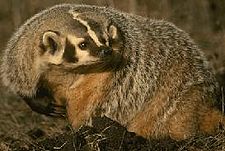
(105, 51)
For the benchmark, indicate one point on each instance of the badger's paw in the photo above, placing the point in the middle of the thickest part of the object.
(47, 106)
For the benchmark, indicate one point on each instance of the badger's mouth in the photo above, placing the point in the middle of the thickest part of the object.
(79, 65)
(103, 64)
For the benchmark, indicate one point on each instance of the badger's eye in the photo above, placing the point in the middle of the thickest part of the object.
(83, 45)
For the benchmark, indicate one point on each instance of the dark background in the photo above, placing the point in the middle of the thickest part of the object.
(204, 20)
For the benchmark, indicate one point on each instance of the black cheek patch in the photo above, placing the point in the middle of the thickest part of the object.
(69, 53)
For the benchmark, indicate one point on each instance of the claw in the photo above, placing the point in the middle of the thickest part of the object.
(45, 106)
(44, 103)
(57, 115)
(57, 110)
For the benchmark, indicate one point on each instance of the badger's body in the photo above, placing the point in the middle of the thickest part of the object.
(148, 75)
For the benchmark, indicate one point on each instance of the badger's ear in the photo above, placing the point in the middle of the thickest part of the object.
(52, 44)
(51, 41)
(113, 32)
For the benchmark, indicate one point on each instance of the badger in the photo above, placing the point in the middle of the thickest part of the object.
(90, 61)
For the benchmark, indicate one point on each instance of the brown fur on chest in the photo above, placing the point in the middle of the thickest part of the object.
(80, 93)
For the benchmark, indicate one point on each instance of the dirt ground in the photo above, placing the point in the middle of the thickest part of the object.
(23, 130)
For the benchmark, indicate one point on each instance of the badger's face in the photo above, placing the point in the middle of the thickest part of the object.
(89, 40)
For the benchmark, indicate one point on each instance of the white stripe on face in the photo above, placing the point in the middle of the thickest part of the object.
(91, 33)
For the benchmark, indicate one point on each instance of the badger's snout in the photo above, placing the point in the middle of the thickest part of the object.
(105, 51)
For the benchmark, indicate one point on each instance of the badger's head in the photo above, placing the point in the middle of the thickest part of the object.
(89, 43)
